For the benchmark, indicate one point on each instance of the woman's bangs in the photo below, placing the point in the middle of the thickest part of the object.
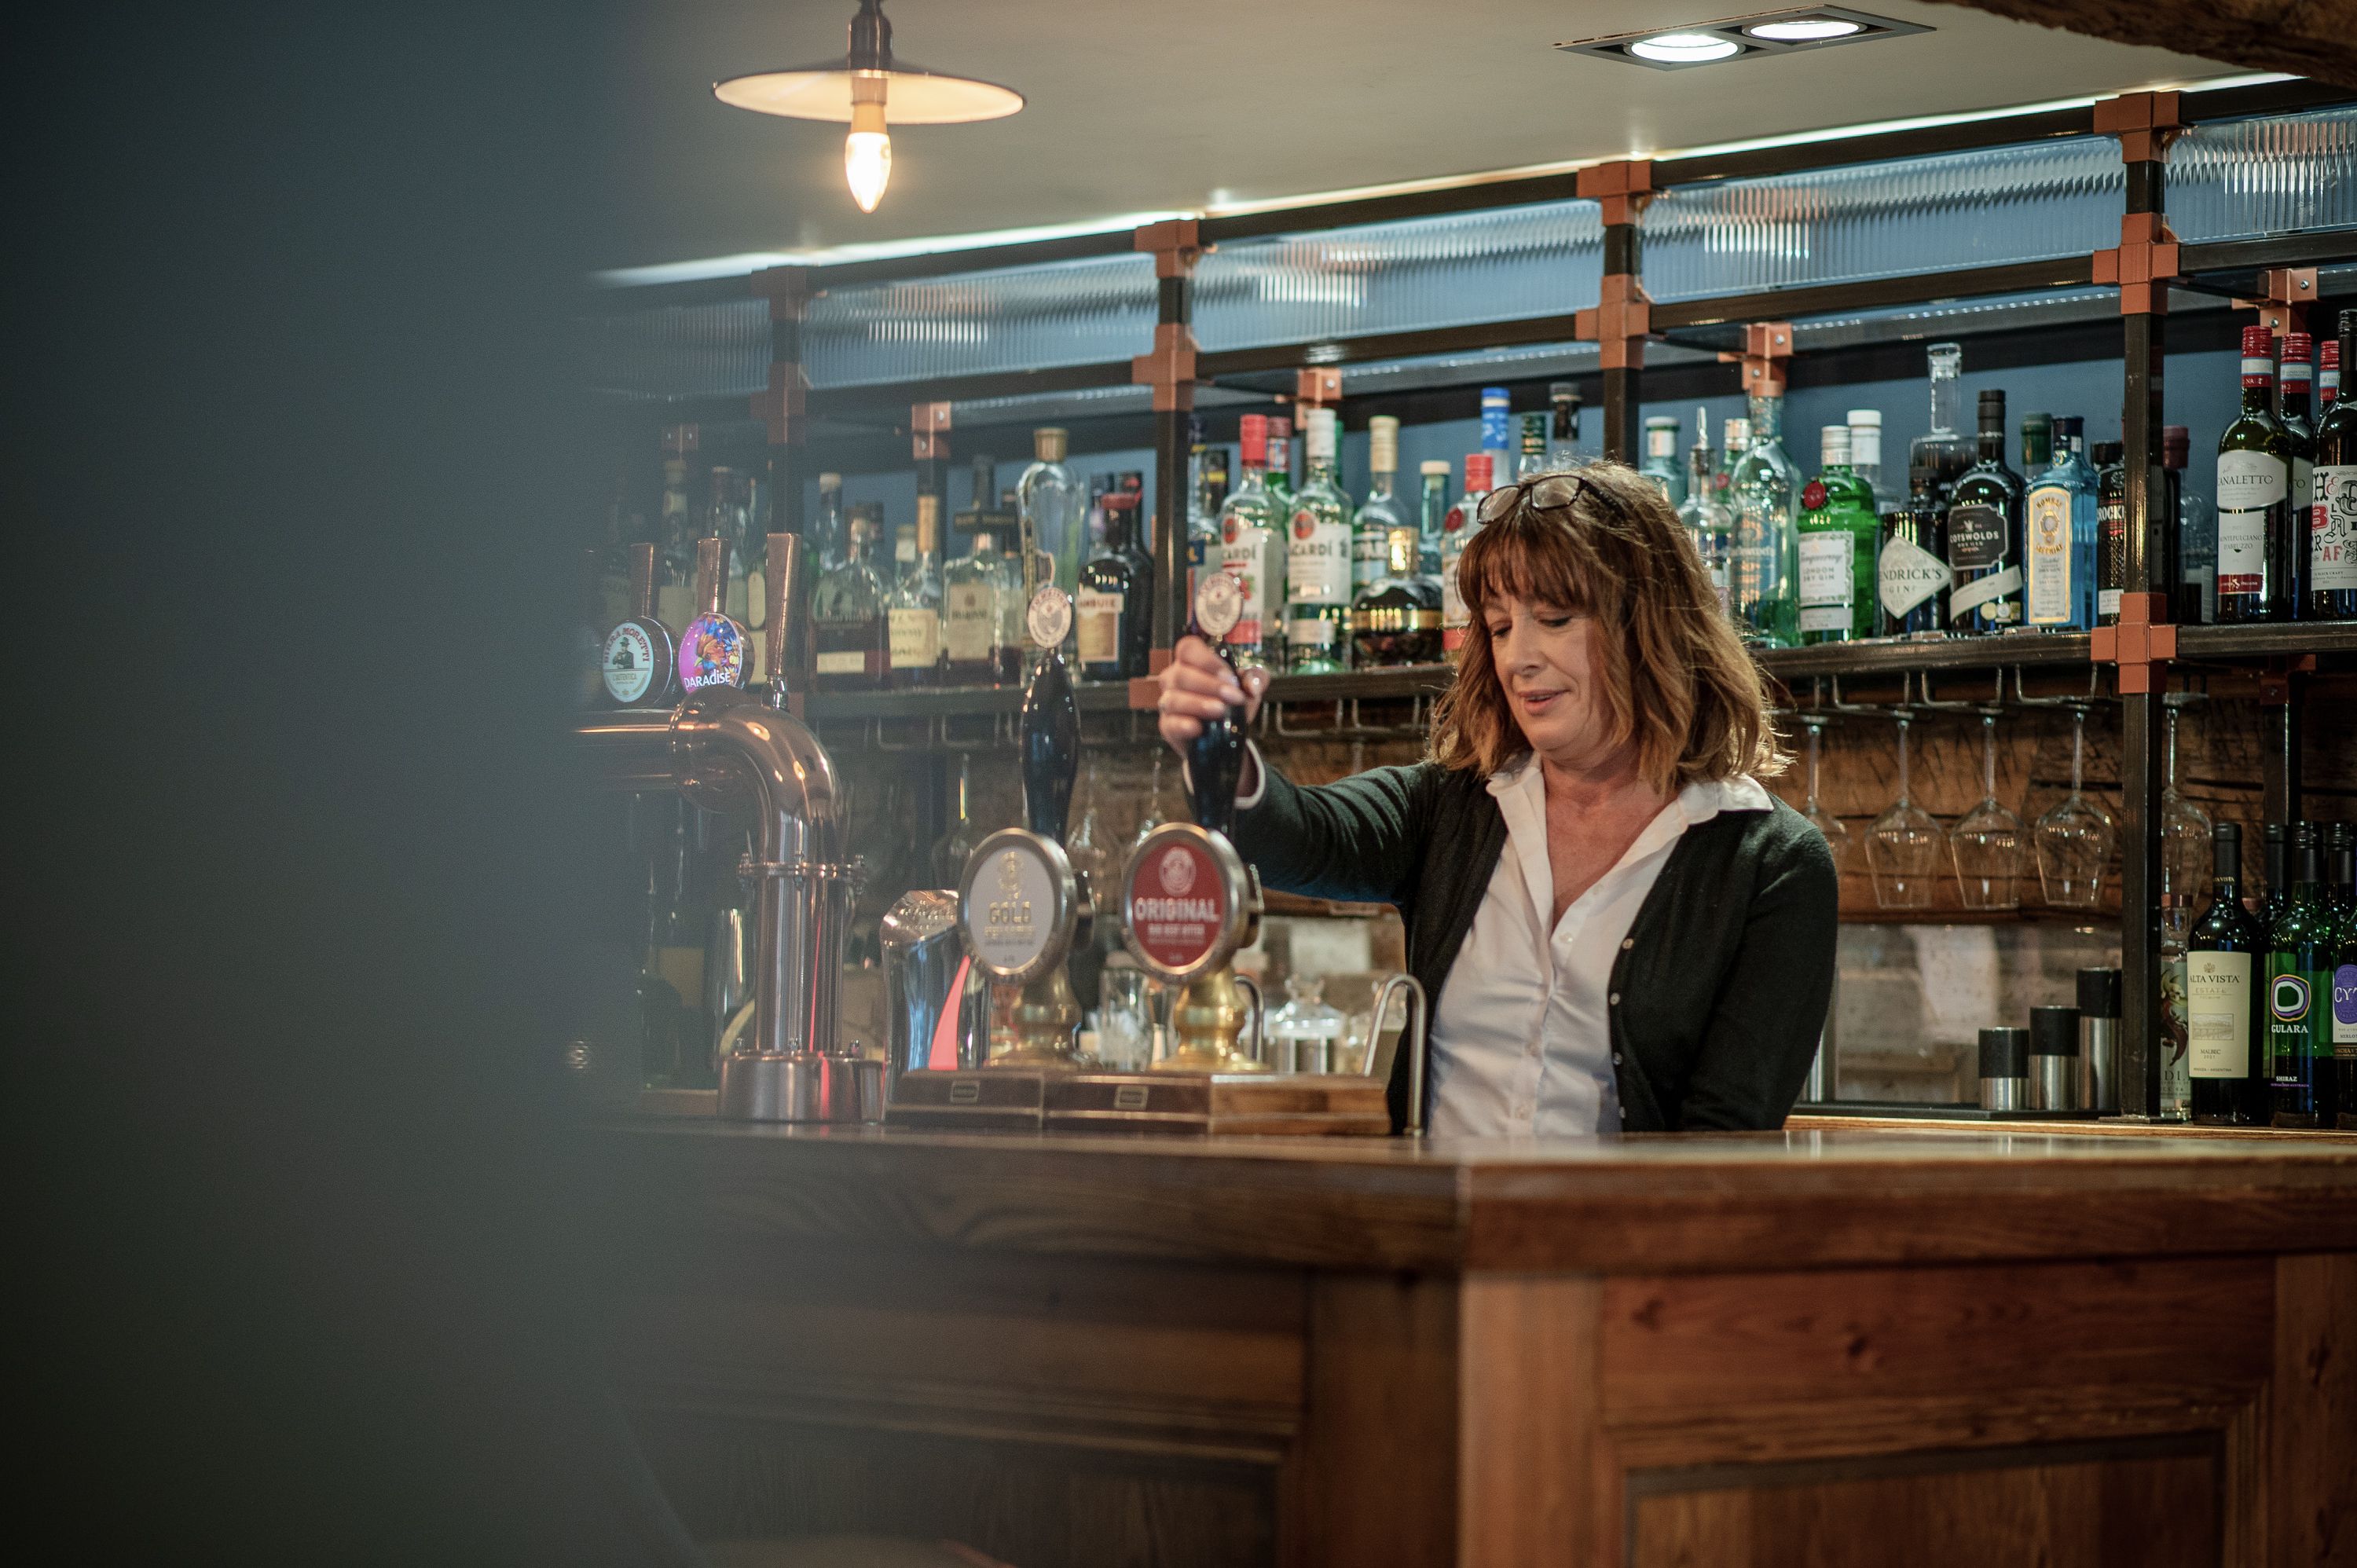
(1534, 557)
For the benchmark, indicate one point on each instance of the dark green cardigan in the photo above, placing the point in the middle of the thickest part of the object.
(1720, 992)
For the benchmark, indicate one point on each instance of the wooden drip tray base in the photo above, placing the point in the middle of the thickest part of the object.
(1269, 1104)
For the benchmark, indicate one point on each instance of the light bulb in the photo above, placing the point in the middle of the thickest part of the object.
(1683, 49)
(1805, 29)
(868, 151)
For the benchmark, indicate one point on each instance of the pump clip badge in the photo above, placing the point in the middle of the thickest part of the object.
(1219, 603)
(1050, 617)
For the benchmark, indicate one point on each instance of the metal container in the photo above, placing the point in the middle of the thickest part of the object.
(925, 971)
(2099, 1047)
(2005, 1070)
(2054, 1059)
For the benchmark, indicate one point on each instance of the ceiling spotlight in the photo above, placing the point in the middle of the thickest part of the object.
(1685, 48)
(1805, 29)
(860, 88)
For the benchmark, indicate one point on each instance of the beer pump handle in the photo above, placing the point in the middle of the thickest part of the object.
(1051, 747)
(1215, 759)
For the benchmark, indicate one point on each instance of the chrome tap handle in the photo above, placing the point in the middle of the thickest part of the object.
(1259, 1018)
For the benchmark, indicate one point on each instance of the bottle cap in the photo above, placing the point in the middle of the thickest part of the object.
(1563, 391)
(1432, 466)
(1280, 428)
(1252, 437)
(830, 482)
(2053, 1031)
(929, 523)
(2258, 343)
(1382, 444)
(1318, 431)
(1860, 418)
(2104, 454)
(2329, 355)
(2099, 994)
(1049, 442)
(2298, 348)
(2005, 1053)
(2226, 850)
(1993, 398)
(2176, 443)
(1833, 444)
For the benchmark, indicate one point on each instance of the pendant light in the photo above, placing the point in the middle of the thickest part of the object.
(866, 87)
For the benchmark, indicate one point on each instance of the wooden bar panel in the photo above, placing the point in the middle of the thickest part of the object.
(2312, 1448)
(1527, 1451)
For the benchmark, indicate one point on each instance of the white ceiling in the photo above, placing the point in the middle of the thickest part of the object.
(1139, 107)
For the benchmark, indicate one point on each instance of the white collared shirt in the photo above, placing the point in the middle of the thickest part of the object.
(1522, 1043)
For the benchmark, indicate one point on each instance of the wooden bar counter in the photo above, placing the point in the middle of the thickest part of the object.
(1821, 1348)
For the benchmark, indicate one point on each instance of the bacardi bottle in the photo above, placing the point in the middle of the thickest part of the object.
(2255, 458)
(1252, 551)
(1836, 538)
(1318, 560)
(1379, 512)
(2332, 501)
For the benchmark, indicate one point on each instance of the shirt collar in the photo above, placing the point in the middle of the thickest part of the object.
(1697, 803)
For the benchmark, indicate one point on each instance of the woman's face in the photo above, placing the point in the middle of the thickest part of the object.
(1549, 668)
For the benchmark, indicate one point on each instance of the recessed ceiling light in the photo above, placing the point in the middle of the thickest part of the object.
(1805, 29)
(1685, 48)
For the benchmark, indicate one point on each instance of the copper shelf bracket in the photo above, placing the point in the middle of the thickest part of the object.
(2140, 646)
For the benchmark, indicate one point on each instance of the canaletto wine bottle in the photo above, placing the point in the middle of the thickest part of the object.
(2224, 1045)
(2254, 494)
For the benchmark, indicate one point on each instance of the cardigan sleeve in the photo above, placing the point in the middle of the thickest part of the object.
(1771, 1014)
(1356, 840)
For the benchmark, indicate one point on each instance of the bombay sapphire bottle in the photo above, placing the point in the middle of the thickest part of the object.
(1761, 586)
(2058, 537)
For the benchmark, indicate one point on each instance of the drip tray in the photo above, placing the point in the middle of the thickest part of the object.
(1266, 1104)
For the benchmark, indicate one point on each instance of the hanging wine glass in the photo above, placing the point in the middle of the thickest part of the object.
(1902, 847)
(1837, 836)
(2074, 841)
(2185, 852)
(1988, 843)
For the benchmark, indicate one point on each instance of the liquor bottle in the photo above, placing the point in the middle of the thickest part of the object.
(1497, 425)
(713, 648)
(1457, 531)
(849, 634)
(1198, 452)
(983, 513)
(2254, 494)
(1913, 578)
(1866, 454)
(904, 552)
(1984, 524)
(1530, 456)
(1836, 536)
(2058, 538)
(2344, 990)
(1252, 550)
(1206, 495)
(1565, 451)
(1280, 461)
(1116, 598)
(2226, 1046)
(1661, 464)
(2195, 527)
(2329, 355)
(1946, 449)
(2341, 869)
(1318, 560)
(675, 600)
(830, 538)
(1379, 512)
(726, 519)
(2332, 498)
(975, 595)
(1432, 509)
(2299, 550)
(912, 616)
(1704, 515)
(1395, 619)
(2303, 950)
(640, 667)
(2111, 530)
(1050, 510)
(1762, 590)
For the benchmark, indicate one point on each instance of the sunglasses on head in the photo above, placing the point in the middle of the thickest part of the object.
(1541, 492)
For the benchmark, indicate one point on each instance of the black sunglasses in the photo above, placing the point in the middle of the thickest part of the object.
(1540, 492)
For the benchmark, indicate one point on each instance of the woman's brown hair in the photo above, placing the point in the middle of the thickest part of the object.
(1677, 680)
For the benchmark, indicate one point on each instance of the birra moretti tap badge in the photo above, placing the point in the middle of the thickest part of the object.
(1177, 903)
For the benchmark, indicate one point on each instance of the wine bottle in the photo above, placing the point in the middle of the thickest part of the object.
(2333, 500)
(2254, 494)
(2223, 1044)
(2302, 953)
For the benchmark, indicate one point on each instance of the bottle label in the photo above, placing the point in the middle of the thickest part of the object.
(1370, 556)
(2292, 995)
(2332, 529)
(712, 653)
(630, 662)
(2176, 1078)
(2218, 1013)
(1244, 556)
(2112, 532)
(969, 621)
(1828, 560)
(1995, 597)
(1301, 635)
(842, 661)
(2046, 529)
(1318, 560)
(2249, 485)
(1907, 575)
(916, 638)
(1099, 639)
(1976, 537)
(2242, 552)
(2344, 1016)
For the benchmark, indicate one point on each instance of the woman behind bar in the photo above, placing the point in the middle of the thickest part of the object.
(1622, 929)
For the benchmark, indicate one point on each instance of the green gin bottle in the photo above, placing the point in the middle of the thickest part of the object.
(1836, 536)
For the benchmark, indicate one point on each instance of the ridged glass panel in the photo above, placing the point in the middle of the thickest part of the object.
(1977, 209)
(1065, 313)
(681, 351)
(2250, 178)
(1539, 260)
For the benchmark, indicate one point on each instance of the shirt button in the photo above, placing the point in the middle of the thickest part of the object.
(1614, 999)
(1616, 1059)
(1624, 1114)
(1627, 943)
